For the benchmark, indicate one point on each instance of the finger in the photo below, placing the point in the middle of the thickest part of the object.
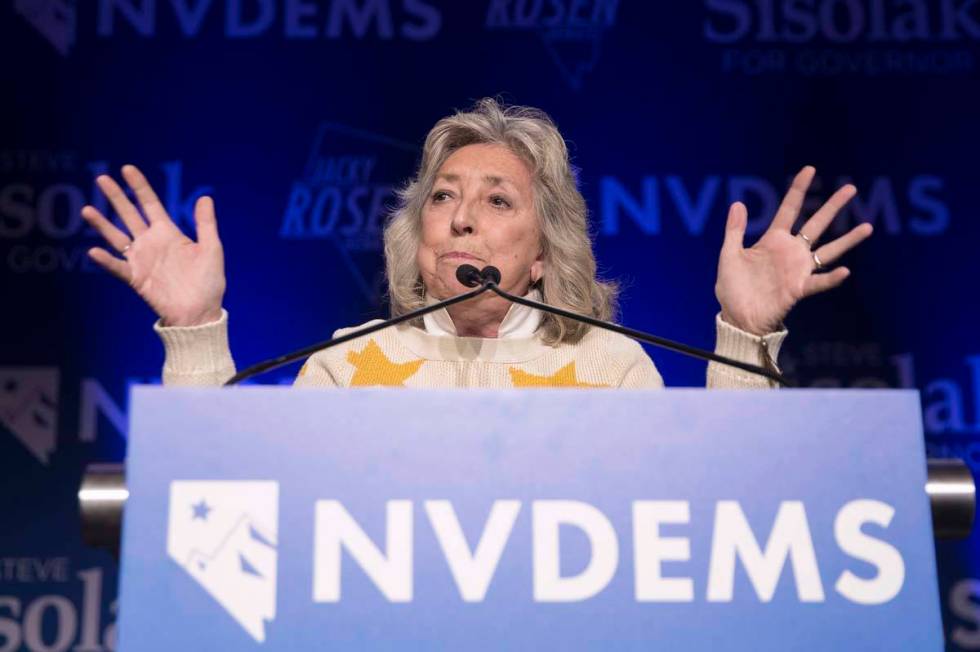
(127, 212)
(118, 268)
(148, 199)
(818, 283)
(789, 210)
(735, 227)
(837, 248)
(819, 221)
(206, 222)
(116, 238)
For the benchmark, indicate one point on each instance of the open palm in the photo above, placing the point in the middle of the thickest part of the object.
(183, 281)
(758, 286)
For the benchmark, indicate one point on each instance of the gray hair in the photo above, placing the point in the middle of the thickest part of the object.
(569, 277)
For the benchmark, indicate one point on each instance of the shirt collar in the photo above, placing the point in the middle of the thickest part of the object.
(519, 322)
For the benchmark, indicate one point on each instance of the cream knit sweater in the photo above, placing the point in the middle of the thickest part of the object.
(407, 356)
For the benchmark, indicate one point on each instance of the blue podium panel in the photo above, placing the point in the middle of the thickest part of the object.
(300, 519)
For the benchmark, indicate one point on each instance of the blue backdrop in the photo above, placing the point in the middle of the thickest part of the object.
(300, 116)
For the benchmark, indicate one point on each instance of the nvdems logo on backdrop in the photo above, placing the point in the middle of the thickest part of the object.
(344, 195)
(29, 407)
(671, 204)
(53, 19)
(571, 30)
(31, 404)
(224, 534)
(834, 37)
(58, 21)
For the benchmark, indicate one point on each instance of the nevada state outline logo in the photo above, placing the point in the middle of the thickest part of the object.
(224, 535)
(29, 408)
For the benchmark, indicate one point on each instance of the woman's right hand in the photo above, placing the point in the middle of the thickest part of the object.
(183, 281)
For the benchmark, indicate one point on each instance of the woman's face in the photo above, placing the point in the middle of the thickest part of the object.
(480, 212)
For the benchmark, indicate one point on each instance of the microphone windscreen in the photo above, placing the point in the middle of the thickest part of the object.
(468, 276)
(491, 274)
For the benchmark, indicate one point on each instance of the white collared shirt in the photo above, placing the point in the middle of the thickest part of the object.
(519, 322)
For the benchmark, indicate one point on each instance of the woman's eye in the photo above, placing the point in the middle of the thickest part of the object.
(439, 195)
(497, 200)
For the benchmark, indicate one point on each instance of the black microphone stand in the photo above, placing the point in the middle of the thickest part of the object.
(488, 279)
(465, 274)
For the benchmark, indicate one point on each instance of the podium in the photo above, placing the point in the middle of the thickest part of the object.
(269, 518)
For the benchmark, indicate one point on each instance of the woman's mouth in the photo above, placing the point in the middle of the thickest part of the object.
(458, 255)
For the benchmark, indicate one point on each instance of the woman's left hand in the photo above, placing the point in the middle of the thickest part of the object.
(757, 287)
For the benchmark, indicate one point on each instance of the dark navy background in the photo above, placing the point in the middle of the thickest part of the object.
(671, 111)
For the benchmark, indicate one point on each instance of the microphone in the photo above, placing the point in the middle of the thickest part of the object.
(490, 274)
(490, 277)
(467, 275)
(470, 276)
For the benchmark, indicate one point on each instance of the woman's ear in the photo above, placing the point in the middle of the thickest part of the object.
(537, 271)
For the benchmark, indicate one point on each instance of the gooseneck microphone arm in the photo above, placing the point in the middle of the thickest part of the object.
(490, 277)
(465, 274)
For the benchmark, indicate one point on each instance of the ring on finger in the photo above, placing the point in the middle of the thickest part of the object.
(808, 241)
(817, 263)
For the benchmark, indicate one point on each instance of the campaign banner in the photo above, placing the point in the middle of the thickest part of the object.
(268, 518)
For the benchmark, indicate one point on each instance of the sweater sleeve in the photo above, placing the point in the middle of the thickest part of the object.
(735, 343)
(196, 355)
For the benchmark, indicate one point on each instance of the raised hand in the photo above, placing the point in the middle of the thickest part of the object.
(183, 281)
(757, 287)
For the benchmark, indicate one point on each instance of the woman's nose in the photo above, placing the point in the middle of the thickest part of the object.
(464, 222)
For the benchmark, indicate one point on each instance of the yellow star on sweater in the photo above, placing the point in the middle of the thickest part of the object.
(564, 377)
(373, 367)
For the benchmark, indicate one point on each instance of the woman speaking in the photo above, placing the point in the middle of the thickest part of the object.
(494, 187)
